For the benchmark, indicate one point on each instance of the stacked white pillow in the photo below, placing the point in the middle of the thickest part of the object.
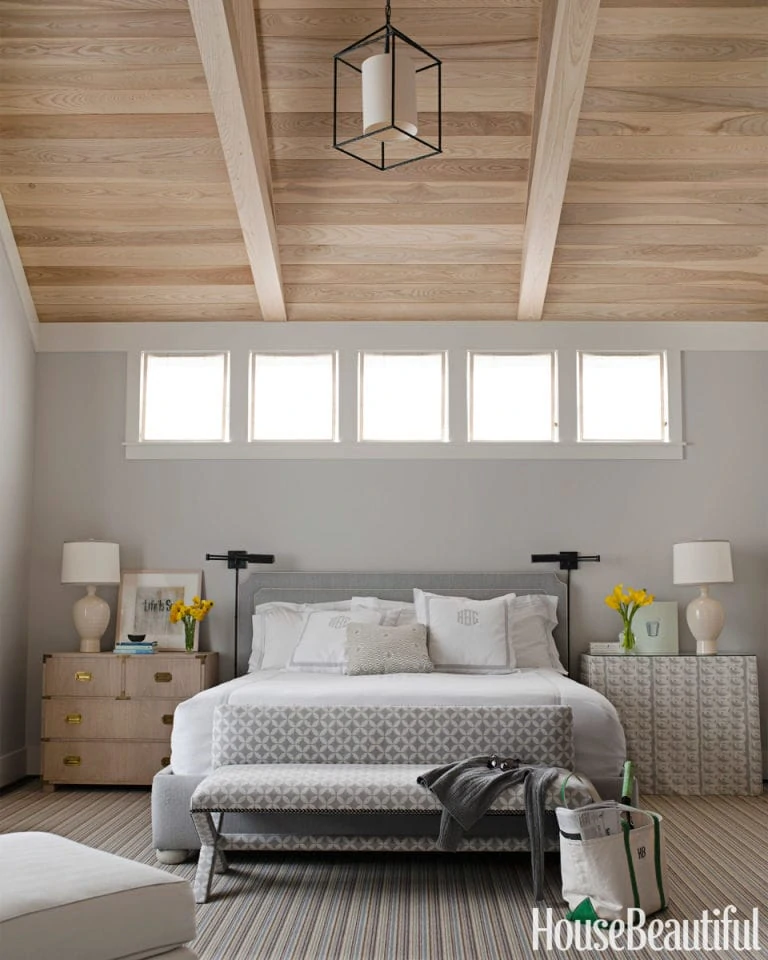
(490, 636)
(532, 621)
(395, 613)
(323, 637)
(277, 628)
(465, 635)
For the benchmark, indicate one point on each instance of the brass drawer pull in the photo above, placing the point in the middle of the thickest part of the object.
(168, 719)
(72, 761)
(83, 676)
(73, 718)
(163, 677)
(165, 761)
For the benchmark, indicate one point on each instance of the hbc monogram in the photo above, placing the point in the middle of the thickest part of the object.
(467, 618)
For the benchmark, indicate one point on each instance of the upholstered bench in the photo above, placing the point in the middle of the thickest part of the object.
(360, 761)
(60, 900)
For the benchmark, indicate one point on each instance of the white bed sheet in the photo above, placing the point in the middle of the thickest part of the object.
(598, 735)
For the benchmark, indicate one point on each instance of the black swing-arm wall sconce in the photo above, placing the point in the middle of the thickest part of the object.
(568, 560)
(238, 560)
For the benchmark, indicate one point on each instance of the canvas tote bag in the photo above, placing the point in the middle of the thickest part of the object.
(606, 876)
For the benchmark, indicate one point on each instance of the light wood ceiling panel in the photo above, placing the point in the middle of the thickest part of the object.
(111, 165)
(677, 146)
(117, 191)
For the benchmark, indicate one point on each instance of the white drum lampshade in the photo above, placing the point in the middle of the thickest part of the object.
(701, 562)
(377, 96)
(90, 562)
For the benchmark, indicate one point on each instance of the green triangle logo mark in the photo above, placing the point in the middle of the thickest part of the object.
(584, 912)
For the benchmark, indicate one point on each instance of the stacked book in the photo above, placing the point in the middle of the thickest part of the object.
(129, 646)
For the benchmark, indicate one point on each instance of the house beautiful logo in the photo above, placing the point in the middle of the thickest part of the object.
(716, 930)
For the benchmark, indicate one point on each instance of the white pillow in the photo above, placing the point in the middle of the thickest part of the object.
(396, 613)
(276, 631)
(323, 636)
(531, 621)
(466, 636)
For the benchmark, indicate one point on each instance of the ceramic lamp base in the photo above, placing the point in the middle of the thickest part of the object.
(91, 615)
(706, 648)
(706, 618)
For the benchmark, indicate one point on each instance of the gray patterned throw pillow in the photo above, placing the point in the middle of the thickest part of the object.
(374, 649)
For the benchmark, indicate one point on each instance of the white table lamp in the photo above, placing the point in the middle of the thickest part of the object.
(90, 562)
(702, 562)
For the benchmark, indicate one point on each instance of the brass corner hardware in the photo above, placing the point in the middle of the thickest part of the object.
(47, 657)
(165, 761)
(168, 719)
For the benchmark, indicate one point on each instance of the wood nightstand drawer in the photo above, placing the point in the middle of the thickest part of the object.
(156, 675)
(103, 761)
(92, 719)
(81, 675)
(107, 718)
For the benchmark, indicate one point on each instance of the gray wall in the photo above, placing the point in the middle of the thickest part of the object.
(418, 515)
(17, 390)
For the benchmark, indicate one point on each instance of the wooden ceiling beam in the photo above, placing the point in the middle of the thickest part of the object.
(565, 42)
(10, 250)
(226, 36)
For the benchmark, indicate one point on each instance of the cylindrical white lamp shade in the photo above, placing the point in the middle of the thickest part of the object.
(377, 95)
(90, 562)
(702, 561)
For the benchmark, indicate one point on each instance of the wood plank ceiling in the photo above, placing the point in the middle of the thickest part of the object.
(119, 196)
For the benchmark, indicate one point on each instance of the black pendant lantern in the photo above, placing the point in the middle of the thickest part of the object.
(378, 84)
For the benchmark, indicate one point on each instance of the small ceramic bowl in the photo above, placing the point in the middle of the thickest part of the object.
(136, 637)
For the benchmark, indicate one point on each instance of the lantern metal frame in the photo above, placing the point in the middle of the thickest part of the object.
(390, 36)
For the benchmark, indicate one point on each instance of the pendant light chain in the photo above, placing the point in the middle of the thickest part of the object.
(388, 15)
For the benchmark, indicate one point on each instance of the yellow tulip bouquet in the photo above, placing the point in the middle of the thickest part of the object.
(190, 615)
(627, 603)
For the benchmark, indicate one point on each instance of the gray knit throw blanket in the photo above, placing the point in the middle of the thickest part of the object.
(468, 788)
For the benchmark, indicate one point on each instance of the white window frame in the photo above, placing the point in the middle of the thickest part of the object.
(445, 427)
(454, 340)
(554, 400)
(665, 402)
(143, 360)
(334, 354)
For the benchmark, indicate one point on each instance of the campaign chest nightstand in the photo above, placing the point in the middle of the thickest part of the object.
(692, 723)
(107, 718)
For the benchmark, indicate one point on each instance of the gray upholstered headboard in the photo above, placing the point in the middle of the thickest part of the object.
(317, 586)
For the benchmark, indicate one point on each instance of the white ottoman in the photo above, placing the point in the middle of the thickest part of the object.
(59, 899)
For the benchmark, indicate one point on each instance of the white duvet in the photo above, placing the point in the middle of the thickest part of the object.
(598, 736)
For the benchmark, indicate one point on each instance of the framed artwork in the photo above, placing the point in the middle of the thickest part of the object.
(145, 601)
(655, 629)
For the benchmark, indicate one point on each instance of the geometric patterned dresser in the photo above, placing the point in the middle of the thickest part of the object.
(692, 723)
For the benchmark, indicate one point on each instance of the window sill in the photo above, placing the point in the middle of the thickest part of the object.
(346, 450)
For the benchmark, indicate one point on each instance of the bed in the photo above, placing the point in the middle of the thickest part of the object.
(598, 737)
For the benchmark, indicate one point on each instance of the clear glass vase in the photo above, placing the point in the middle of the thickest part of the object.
(627, 639)
(189, 635)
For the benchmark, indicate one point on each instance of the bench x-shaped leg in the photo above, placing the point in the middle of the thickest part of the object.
(211, 857)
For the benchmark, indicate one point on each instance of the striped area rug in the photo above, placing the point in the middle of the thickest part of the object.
(413, 907)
